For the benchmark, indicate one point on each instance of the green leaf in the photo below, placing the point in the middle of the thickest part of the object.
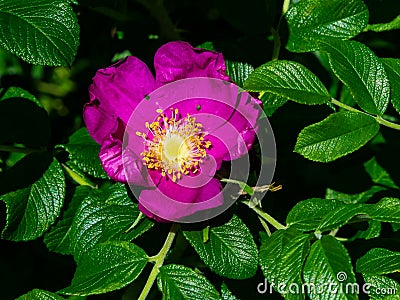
(32, 210)
(84, 153)
(44, 32)
(23, 119)
(353, 198)
(230, 250)
(37, 294)
(382, 287)
(339, 134)
(59, 238)
(313, 20)
(238, 71)
(378, 174)
(271, 103)
(379, 261)
(392, 25)
(226, 294)
(307, 214)
(392, 68)
(329, 263)
(107, 267)
(373, 231)
(386, 210)
(362, 72)
(103, 215)
(289, 80)
(178, 282)
(281, 259)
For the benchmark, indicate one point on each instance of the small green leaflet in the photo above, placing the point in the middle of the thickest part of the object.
(289, 80)
(179, 282)
(226, 294)
(378, 174)
(37, 294)
(329, 263)
(379, 284)
(313, 20)
(230, 250)
(43, 32)
(32, 210)
(238, 71)
(379, 261)
(107, 267)
(339, 134)
(361, 71)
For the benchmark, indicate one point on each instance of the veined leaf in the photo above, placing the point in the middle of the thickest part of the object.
(382, 287)
(107, 267)
(179, 282)
(43, 32)
(378, 174)
(338, 135)
(37, 294)
(379, 261)
(313, 20)
(226, 294)
(289, 80)
(329, 262)
(392, 68)
(32, 210)
(281, 259)
(238, 71)
(230, 250)
(361, 71)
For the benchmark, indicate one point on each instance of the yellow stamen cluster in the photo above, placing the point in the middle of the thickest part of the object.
(177, 146)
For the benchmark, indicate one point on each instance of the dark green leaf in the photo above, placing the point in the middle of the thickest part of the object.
(386, 210)
(37, 294)
(281, 259)
(313, 20)
(392, 68)
(338, 135)
(107, 267)
(271, 103)
(362, 72)
(238, 71)
(44, 32)
(103, 215)
(373, 231)
(32, 210)
(289, 80)
(178, 282)
(230, 250)
(59, 238)
(378, 174)
(329, 263)
(307, 214)
(84, 153)
(382, 287)
(353, 198)
(379, 261)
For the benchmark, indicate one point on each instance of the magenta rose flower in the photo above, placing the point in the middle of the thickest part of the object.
(173, 145)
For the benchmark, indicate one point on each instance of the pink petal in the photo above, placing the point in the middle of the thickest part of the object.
(172, 202)
(114, 93)
(179, 60)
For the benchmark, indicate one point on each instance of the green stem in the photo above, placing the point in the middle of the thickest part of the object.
(159, 260)
(76, 177)
(19, 149)
(275, 32)
(264, 215)
(379, 119)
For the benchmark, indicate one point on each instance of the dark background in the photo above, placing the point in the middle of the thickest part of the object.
(241, 30)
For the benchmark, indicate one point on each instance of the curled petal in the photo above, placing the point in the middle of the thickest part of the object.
(114, 94)
(172, 202)
(179, 60)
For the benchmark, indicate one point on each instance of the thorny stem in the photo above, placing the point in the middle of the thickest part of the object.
(379, 119)
(159, 260)
(275, 32)
(264, 215)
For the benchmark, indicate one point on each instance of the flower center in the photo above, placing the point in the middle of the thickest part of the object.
(177, 146)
